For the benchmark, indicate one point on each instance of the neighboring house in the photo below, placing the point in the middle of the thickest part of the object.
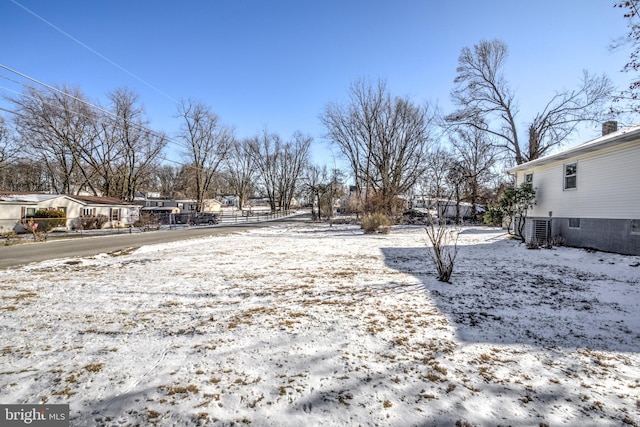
(588, 195)
(181, 206)
(172, 211)
(16, 207)
(118, 212)
(447, 208)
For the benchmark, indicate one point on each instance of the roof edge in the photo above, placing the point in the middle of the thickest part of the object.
(624, 135)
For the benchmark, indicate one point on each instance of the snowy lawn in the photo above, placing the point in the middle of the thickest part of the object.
(317, 325)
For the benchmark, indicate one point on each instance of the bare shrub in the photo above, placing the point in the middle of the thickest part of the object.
(533, 244)
(377, 222)
(92, 222)
(444, 247)
(147, 221)
(9, 237)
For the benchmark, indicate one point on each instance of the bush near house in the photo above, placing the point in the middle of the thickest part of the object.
(46, 220)
(93, 222)
(514, 203)
(494, 216)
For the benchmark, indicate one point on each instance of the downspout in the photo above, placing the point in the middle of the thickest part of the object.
(511, 219)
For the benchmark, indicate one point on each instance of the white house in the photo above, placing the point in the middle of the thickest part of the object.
(588, 195)
(15, 207)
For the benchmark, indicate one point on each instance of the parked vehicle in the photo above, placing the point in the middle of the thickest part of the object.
(416, 216)
(204, 218)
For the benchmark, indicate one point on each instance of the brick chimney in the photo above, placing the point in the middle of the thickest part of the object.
(609, 127)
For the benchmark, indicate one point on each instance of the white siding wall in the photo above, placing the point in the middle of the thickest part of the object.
(10, 214)
(608, 185)
(73, 208)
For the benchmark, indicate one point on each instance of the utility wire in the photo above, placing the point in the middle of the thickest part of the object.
(95, 52)
(109, 113)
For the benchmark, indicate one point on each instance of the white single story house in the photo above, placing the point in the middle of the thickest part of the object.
(588, 195)
(16, 207)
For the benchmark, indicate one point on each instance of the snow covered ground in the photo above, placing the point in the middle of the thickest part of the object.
(314, 325)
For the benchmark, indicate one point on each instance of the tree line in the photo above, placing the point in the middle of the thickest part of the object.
(64, 144)
(58, 141)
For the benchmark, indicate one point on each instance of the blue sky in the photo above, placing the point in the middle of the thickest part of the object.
(276, 64)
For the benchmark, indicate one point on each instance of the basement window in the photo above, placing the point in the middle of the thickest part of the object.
(574, 222)
(635, 226)
(570, 176)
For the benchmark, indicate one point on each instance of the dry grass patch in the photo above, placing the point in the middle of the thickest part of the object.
(173, 390)
(152, 415)
(20, 296)
(246, 317)
(122, 252)
(66, 391)
(93, 367)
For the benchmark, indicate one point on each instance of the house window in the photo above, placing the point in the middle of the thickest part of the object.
(114, 214)
(635, 226)
(87, 211)
(28, 212)
(62, 209)
(574, 222)
(160, 204)
(570, 176)
(528, 178)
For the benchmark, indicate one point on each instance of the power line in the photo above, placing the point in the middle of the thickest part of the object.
(91, 105)
(54, 89)
(61, 92)
(95, 52)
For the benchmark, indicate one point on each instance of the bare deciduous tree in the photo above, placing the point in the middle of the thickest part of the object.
(8, 148)
(139, 147)
(241, 170)
(313, 178)
(627, 100)
(266, 150)
(166, 180)
(206, 143)
(476, 158)
(23, 175)
(125, 151)
(280, 165)
(487, 102)
(324, 188)
(384, 138)
(54, 126)
(293, 160)
(434, 182)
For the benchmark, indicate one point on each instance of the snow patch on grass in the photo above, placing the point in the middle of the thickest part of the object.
(309, 324)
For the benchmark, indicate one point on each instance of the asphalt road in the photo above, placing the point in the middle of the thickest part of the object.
(26, 253)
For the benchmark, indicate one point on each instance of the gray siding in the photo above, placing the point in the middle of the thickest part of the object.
(609, 235)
